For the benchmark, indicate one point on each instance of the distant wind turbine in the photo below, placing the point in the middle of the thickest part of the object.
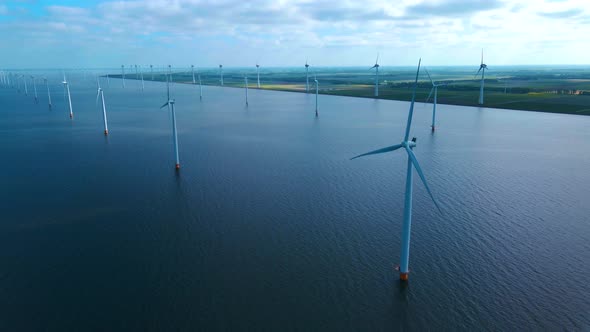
(317, 88)
(35, 88)
(170, 103)
(376, 66)
(100, 93)
(67, 88)
(258, 75)
(246, 85)
(193, 71)
(200, 88)
(408, 145)
(306, 76)
(48, 92)
(142, 82)
(482, 68)
(152, 71)
(26, 90)
(435, 90)
(123, 74)
(221, 74)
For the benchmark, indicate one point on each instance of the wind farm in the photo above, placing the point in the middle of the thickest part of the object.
(294, 166)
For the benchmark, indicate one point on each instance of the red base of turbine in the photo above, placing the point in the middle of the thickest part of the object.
(403, 276)
(177, 166)
(106, 132)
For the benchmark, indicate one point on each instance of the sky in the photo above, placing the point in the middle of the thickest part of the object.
(237, 33)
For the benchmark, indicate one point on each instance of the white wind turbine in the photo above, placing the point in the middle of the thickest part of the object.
(258, 75)
(152, 71)
(123, 74)
(170, 103)
(482, 68)
(48, 92)
(35, 88)
(200, 88)
(193, 71)
(246, 86)
(407, 145)
(317, 87)
(67, 88)
(221, 74)
(306, 76)
(100, 93)
(142, 82)
(25, 80)
(435, 90)
(376, 66)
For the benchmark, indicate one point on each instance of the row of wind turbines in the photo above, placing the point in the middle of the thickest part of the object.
(407, 144)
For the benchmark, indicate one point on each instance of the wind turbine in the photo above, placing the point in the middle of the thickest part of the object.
(152, 71)
(306, 76)
(193, 71)
(258, 75)
(35, 88)
(246, 85)
(200, 88)
(376, 66)
(221, 74)
(435, 90)
(170, 104)
(67, 88)
(316, 94)
(170, 72)
(25, 80)
(408, 145)
(104, 110)
(142, 83)
(48, 93)
(123, 74)
(482, 68)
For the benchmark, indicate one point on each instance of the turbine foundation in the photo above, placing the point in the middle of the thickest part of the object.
(177, 166)
(106, 132)
(403, 276)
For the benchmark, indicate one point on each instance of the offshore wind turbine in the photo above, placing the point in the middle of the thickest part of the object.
(193, 71)
(376, 66)
(257, 75)
(48, 92)
(221, 74)
(306, 76)
(25, 80)
(142, 82)
(482, 68)
(67, 88)
(123, 74)
(435, 90)
(407, 145)
(246, 85)
(35, 89)
(317, 88)
(104, 110)
(152, 71)
(170, 103)
(200, 88)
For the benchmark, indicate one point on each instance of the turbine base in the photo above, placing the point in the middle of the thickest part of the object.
(71, 115)
(106, 132)
(432, 128)
(177, 166)
(403, 276)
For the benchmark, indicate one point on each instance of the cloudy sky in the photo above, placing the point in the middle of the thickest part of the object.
(101, 33)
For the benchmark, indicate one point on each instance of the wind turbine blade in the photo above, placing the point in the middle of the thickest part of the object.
(384, 150)
(377, 60)
(430, 78)
(373, 67)
(412, 156)
(411, 112)
(430, 94)
(474, 76)
(166, 104)
(482, 56)
(97, 95)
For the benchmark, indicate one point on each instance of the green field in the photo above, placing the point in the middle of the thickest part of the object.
(557, 89)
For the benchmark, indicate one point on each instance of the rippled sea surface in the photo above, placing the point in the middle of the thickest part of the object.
(270, 226)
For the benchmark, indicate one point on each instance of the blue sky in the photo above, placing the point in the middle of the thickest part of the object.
(105, 33)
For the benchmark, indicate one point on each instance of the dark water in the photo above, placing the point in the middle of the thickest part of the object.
(269, 226)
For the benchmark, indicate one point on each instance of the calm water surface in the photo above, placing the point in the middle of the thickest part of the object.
(270, 226)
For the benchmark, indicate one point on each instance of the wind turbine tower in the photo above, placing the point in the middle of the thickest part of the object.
(221, 74)
(408, 146)
(482, 68)
(257, 75)
(306, 76)
(376, 66)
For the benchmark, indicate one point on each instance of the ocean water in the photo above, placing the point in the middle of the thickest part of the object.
(269, 226)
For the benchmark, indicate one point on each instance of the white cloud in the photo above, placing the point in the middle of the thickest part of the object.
(283, 32)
